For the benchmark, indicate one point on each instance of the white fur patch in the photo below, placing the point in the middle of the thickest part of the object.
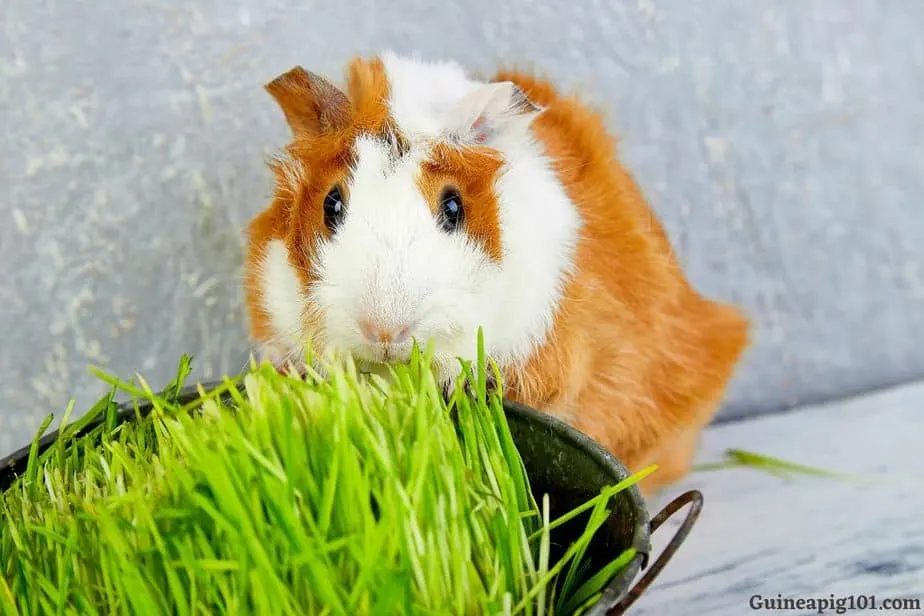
(422, 93)
(283, 301)
(515, 303)
(390, 264)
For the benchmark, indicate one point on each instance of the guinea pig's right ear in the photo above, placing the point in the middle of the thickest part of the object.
(488, 110)
(311, 104)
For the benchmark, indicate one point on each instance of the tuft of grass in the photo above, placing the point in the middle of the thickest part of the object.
(277, 494)
(739, 458)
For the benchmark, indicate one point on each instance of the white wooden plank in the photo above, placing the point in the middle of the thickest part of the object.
(806, 536)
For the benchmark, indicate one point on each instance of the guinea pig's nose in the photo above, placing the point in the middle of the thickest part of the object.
(377, 333)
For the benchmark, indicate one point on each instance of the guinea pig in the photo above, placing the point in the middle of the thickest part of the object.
(421, 203)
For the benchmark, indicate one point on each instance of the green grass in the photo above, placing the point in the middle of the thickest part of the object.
(739, 458)
(344, 495)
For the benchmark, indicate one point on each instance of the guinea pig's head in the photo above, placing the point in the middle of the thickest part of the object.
(390, 220)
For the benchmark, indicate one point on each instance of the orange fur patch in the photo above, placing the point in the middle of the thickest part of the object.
(637, 358)
(368, 89)
(313, 163)
(472, 171)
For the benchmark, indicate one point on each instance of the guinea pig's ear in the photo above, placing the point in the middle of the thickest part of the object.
(489, 110)
(311, 104)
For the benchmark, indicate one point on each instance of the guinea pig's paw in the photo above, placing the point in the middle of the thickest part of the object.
(451, 384)
(282, 361)
(490, 382)
(468, 386)
(490, 385)
(447, 390)
(272, 354)
(493, 384)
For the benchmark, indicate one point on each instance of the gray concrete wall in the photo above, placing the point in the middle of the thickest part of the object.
(780, 141)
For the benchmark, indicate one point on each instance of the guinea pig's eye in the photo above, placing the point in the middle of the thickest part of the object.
(333, 209)
(450, 217)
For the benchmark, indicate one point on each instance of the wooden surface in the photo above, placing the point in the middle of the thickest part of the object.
(805, 536)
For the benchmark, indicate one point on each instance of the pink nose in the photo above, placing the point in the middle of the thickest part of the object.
(377, 333)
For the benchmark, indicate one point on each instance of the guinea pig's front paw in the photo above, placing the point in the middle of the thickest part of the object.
(468, 387)
(449, 388)
(490, 385)
(284, 362)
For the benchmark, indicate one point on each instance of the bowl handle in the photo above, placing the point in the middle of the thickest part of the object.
(695, 499)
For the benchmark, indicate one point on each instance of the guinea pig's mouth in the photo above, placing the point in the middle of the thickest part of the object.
(382, 354)
(377, 359)
(376, 368)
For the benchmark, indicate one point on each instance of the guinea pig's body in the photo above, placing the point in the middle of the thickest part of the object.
(421, 204)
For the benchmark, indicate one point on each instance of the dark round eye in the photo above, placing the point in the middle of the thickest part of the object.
(333, 209)
(451, 214)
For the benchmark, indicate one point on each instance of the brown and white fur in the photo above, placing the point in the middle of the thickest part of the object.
(557, 254)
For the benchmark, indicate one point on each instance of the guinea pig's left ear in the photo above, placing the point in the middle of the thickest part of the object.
(488, 110)
(311, 104)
